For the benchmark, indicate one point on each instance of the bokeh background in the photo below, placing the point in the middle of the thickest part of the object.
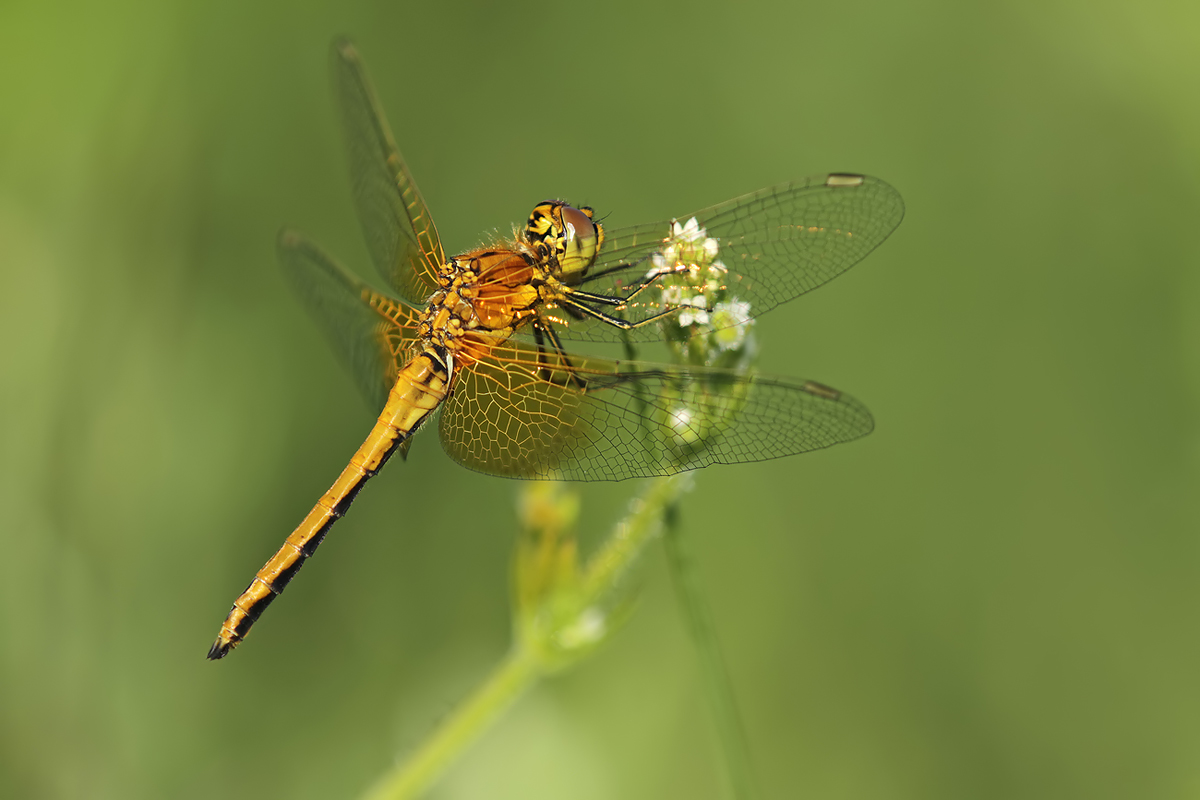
(993, 596)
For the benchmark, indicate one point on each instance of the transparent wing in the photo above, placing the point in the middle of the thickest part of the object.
(400, 234)
(763, 249)
(370, 332)
(519, 412)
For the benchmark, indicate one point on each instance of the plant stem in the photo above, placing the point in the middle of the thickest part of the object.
(508, 681)
(714, 676)
(610, 563)
(524, 665)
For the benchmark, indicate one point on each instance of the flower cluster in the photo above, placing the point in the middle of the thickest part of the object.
(710, 328)
(712, 325)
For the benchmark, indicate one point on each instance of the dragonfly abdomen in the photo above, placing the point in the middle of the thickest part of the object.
(420, 388)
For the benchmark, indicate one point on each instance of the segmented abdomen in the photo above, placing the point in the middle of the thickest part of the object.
(420, 388)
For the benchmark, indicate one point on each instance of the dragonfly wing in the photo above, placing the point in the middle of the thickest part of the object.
(370, 331)
(522, 413)
(767, 247)
(400, 233)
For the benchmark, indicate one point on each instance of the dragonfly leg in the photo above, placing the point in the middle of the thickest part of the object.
(570, 302)
(618, 302)
(542, 333)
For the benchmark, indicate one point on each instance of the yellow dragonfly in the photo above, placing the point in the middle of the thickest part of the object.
(480, 335)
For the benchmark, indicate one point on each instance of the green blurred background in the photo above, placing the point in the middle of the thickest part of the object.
(993, 596)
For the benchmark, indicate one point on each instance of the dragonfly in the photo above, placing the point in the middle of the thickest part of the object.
(480, 336)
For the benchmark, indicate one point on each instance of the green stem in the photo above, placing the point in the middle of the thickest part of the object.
(610, 563)
(715, 677)
(516, 673)
(523, 666)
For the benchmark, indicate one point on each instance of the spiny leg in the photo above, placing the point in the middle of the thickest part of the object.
(624, 324)
(541, 333)
(610, 300)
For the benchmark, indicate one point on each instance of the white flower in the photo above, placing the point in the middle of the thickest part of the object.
(694, 312)
(672, 295)
(691, 232)
(730, 321)
(710, 248)
(658, 265)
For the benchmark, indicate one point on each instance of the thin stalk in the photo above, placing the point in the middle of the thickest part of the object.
(715, 677)
(610, 563)
(508, 681)
(524, 665)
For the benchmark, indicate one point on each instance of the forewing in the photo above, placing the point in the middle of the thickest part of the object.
(521, 413)
(774, 245)
(371, 333)
(400, 233)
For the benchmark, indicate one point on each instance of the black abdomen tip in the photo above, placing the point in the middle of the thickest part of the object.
(219, 650)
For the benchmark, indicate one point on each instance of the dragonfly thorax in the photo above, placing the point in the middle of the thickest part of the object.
(485, 291)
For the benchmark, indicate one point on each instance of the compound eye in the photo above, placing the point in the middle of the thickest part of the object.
(580, 243)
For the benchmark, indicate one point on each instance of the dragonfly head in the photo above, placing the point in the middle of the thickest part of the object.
(566, 237)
